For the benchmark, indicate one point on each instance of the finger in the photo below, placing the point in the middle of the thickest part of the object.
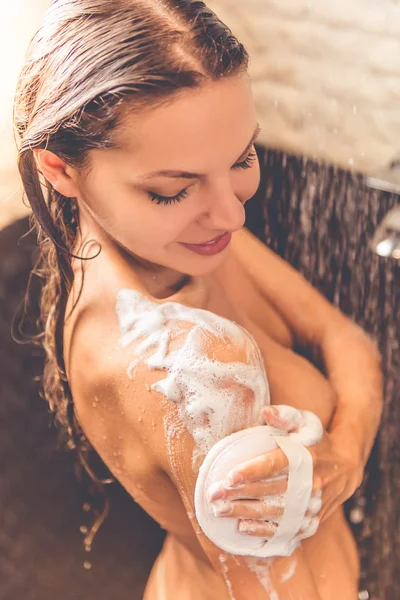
(283, 417)
(247, 509)
(263, 467)
(264, 529)
(257, 489)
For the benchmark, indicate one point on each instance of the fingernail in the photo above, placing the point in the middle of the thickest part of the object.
(215, 492)
(233, 479)
(221, 509)
(246, 526)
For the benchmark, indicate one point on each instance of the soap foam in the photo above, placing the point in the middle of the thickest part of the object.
(261, 568)
(215, 398)
(292, 526)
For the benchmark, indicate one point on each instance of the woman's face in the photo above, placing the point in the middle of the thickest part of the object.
(176, 188)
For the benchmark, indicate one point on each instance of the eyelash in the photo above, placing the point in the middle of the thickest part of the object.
(245, 164)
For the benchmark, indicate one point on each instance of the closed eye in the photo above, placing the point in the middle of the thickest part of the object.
(158, 199)
(248, 162)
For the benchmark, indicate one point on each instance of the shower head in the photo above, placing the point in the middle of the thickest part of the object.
(386, 241)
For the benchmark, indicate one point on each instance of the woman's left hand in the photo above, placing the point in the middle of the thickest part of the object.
(263, 481)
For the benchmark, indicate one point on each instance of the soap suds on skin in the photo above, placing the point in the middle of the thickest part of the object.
(225, 574)
(290, 571)
(207, 391)
(212, 396)
(261, 568)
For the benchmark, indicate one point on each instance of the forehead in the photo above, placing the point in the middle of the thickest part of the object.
(218, 115)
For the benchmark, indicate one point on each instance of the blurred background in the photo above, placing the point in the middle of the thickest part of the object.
(326, 78)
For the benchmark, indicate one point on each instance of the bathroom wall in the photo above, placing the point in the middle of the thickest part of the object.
(326, 77)
(19, 19)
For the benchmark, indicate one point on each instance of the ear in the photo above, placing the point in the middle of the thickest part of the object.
(57, 172)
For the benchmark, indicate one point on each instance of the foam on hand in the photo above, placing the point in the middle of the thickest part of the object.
(241, 447)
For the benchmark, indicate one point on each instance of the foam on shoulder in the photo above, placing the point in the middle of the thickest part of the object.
(212, 367)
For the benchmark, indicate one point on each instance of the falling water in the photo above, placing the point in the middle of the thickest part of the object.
(321, 219)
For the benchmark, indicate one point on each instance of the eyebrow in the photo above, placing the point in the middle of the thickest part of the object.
(187, 174)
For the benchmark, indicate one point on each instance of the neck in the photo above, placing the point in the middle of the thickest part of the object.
(160, 281)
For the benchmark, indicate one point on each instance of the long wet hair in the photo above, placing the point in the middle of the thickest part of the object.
(91, 62)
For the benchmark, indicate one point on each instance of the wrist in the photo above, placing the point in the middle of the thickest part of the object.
(351, 445)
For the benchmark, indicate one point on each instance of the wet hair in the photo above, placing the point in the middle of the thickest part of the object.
(90, 63)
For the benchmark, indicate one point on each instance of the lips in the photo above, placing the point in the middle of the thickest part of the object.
(212, 247)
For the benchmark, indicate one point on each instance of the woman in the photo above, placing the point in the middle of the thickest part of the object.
(140, 119)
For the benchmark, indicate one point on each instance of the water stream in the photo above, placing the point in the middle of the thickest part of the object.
(322, 220)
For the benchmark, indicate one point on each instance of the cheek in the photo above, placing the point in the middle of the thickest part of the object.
(156, 226)
(247, 185)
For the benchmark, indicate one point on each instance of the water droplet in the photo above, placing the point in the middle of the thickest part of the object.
(83, 529)
(87, 565)
(140, 419)
(86, 507)
(351, 162)
(335, 131)
(363, 595)
(357, 516)
(354, 109)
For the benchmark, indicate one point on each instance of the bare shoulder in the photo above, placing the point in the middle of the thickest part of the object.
(138, 368)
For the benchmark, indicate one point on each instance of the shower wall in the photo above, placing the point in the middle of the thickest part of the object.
(326, 77)
(322, 219)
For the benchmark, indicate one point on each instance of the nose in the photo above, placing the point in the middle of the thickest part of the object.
(224, 212)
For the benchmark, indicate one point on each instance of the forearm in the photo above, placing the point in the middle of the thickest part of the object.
(352, 364)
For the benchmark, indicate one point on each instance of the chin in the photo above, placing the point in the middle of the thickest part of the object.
(203, 265)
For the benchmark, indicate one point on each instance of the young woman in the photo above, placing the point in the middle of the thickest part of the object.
(137, 130)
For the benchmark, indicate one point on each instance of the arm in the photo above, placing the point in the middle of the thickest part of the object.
(170, 446)
(175, 458)
(351, 360)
